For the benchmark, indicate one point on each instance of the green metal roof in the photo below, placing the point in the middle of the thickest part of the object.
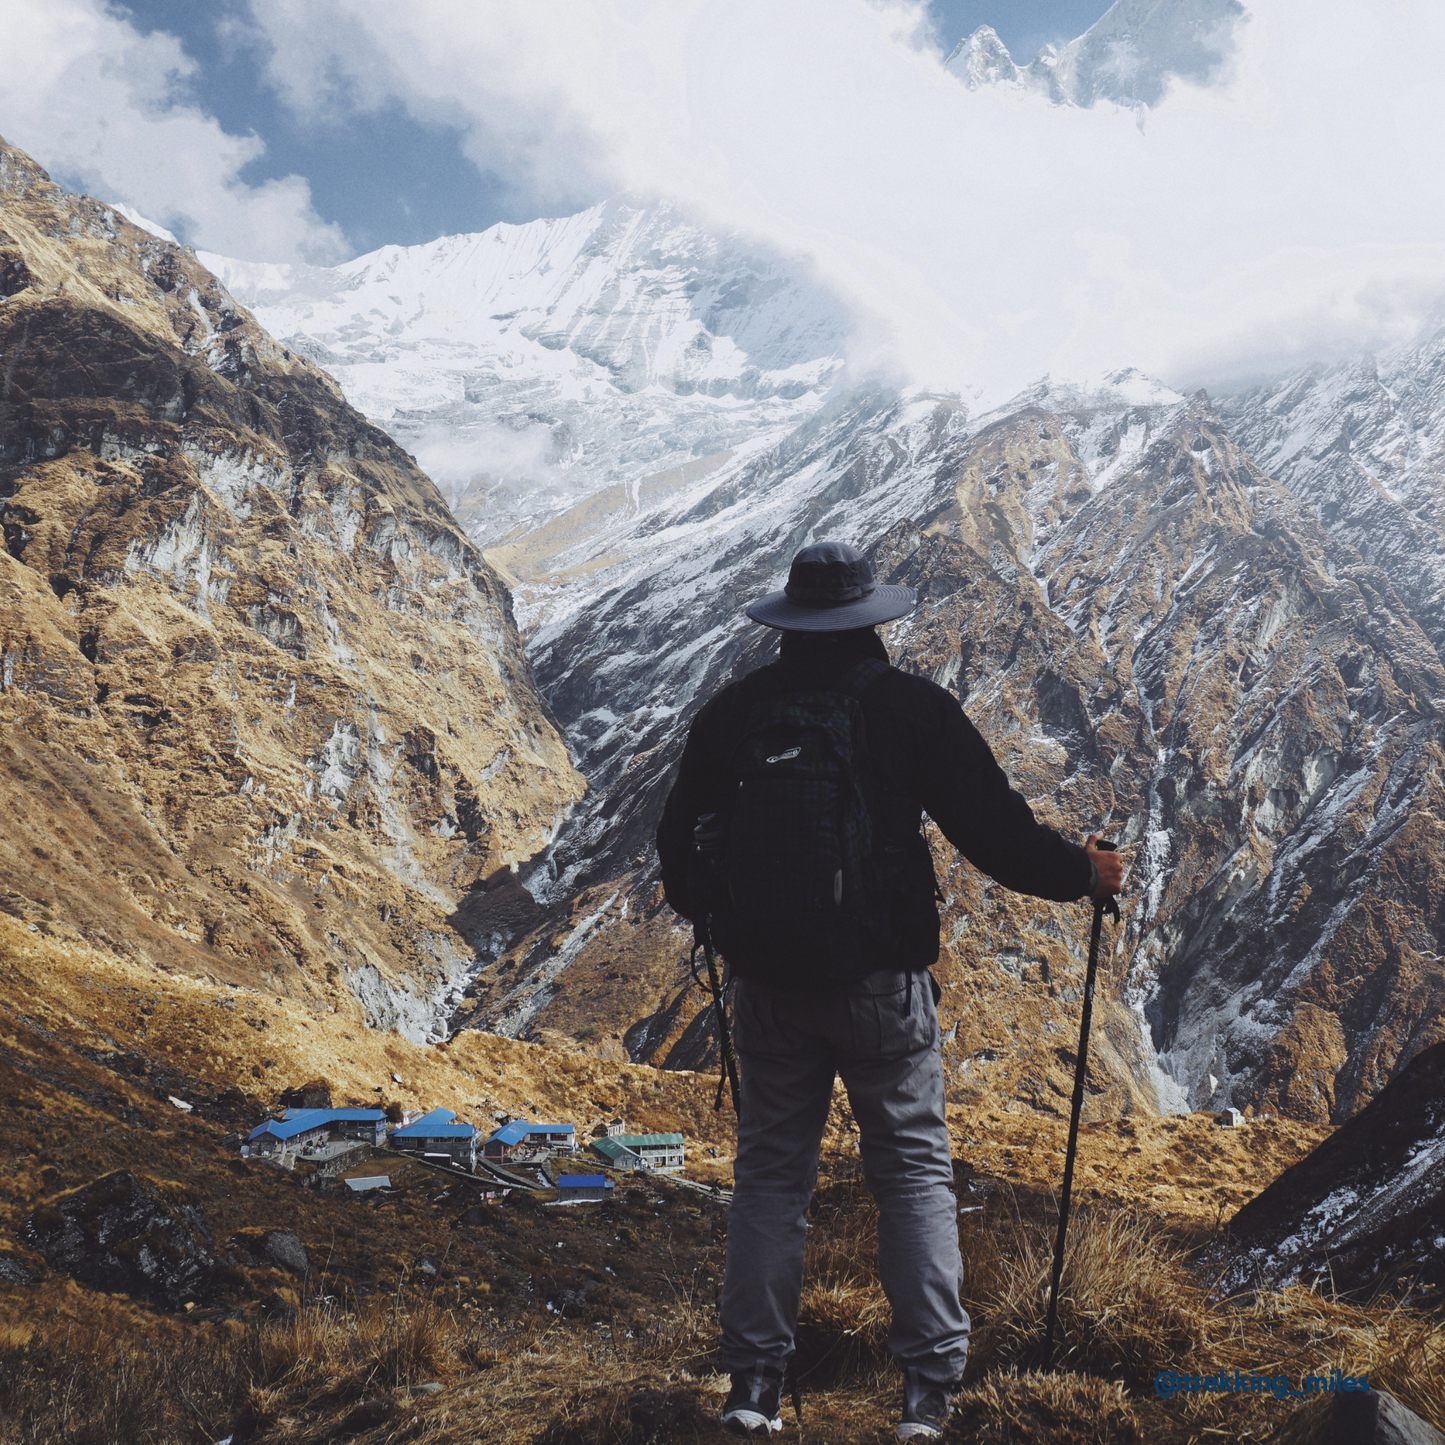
(631, 1141)
(611, 1149)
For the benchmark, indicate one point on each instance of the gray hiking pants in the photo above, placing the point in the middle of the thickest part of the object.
(881, 1036)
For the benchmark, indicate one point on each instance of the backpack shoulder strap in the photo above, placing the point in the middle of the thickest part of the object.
(862, 675)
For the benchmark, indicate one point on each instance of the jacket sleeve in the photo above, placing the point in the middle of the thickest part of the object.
(968, 795)
(695, 791)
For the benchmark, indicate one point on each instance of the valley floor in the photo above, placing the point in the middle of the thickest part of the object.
(432, 1313)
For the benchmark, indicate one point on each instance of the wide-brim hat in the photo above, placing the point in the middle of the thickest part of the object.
(831, 589)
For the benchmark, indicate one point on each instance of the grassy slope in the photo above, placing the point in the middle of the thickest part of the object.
(94, 1045)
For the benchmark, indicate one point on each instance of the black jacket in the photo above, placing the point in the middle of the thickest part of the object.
(930, 759)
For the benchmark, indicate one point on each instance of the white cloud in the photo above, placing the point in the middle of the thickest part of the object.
(514, 456)
(454, 64)
(98, 103)
(1293, 212)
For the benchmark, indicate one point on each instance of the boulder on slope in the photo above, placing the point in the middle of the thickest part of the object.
(117, 1234)
(280, 1247)
(1371, 1418)
(1365, 1210)
(315, 1095)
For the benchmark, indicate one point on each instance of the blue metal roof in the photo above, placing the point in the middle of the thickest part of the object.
(372, 1114)
(287, 1129)
(435, 1125)
(512, 1133)
(582, 1181)
(302, 1121)
(518, 1130)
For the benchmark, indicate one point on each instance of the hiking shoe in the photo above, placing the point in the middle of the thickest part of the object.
(752, 1403)
(926, 1407)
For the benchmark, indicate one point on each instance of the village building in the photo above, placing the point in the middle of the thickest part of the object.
(362, 1183)
(366, 1126)
(609, 1130)
(659, 1151)
(435, 1133)
(309, 1129)
(583, 1186)
(618, 1155)
(522, 1136)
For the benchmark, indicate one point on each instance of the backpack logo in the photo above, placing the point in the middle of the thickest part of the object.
(783, 757)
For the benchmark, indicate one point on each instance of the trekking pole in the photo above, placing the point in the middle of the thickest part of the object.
(725, 1038)
(707, 837)
(1080, 1069)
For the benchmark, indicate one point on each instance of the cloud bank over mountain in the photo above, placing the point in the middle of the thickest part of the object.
(109, 110)
(1280, 214)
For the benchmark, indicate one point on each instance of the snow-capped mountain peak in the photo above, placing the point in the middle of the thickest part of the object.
(983, 59)
(492, 355)
(1125, 386)
(1129, 55)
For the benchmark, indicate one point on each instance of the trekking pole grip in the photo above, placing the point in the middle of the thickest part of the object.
(1109, 903)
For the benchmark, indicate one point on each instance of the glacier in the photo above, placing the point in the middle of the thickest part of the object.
(527, 366)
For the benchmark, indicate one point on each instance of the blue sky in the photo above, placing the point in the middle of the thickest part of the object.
(383, 176)
(1023, 25)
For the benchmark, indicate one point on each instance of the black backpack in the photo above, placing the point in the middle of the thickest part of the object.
(804, 887)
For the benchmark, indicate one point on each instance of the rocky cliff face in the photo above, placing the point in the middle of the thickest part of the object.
(1363, 1210)
(266, 716)
(1157, 638)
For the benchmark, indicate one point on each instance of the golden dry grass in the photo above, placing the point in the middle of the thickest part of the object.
(1128, 1307)
(1064, 1409)
(1297, 1331)
(1131, 1308)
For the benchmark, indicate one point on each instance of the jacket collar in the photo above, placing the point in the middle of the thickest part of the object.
(806, 646)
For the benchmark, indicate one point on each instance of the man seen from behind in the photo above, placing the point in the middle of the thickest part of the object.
(818, 769)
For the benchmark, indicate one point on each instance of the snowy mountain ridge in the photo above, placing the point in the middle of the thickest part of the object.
(529, 365)
(1129, 55)
(1365, 440)
(1151, 632)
